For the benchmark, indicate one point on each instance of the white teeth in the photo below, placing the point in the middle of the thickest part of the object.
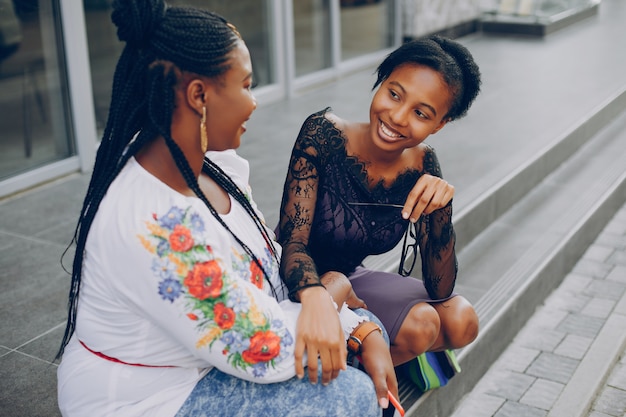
(388, 132)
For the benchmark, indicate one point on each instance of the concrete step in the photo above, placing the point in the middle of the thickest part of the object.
(518, 241)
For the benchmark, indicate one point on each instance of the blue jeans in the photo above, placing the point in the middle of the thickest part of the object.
(219, 394)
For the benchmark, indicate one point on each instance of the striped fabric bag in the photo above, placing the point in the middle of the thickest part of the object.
(432, 370)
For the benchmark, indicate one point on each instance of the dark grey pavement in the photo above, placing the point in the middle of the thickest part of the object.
(534, 90)
(570, 359)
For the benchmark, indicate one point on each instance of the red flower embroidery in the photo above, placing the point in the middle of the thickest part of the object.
(224, 316)
(204, 280)
(264, 346)
(180, 239)
(192, 316)
(256, 275)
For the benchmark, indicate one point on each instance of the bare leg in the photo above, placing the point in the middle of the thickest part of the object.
(459, 324)
(418, 332)
(448, 325)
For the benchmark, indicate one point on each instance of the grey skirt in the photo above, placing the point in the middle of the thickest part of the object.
(390, 296)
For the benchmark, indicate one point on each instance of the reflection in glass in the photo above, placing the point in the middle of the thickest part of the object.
(33, 103)
(312, 35)
(366, 26)
(532, 10)
(252, 18)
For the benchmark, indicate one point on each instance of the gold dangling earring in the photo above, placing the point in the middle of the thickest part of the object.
(204, 140)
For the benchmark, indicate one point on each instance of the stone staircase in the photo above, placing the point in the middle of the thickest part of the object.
(517, 242)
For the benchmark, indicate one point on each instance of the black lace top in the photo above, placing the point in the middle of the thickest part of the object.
(322, 229)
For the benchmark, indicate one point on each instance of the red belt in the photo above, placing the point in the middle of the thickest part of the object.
(103, 356)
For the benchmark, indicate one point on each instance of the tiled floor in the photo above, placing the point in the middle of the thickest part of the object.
(612, 399)
(34, 232)
(567, 349)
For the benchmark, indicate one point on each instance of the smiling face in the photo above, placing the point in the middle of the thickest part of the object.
(407, 107)
(231, 102)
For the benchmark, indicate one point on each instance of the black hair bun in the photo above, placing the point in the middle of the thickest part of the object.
(136, 20)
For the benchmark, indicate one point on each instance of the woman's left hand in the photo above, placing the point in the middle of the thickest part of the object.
(376, 359)
(430, 193)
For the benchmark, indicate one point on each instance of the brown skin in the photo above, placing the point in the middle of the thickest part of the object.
(434, 327)
(323, 339)
(219, 97)
(407, 108)
(229, 103)
(375, 353)
(376, 364)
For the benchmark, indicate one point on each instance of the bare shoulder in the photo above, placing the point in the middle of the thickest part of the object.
(422, 157)
(349, 129)
(420, 152)
(335, 120)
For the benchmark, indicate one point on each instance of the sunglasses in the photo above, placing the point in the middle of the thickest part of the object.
(410, 247)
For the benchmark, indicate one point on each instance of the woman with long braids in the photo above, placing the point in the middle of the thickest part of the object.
(176, 307)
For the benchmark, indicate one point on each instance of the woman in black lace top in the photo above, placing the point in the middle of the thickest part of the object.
(353, 188)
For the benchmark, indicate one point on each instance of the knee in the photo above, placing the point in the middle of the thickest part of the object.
(420, 329)
(462, 327)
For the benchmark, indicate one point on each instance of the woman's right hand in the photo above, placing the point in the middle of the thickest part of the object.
(320, 334)
(429, 193)
(376, 359)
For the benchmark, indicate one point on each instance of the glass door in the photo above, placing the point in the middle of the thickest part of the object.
(326, 38)
(367, 26)
(312, 36)
(34, 105)
(253, 19)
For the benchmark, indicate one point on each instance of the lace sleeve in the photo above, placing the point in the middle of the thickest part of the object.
(436, 240)
(298, 207)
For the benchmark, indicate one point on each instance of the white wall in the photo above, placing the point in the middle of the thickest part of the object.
(422, 17)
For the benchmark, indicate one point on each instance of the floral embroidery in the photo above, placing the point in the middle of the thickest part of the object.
(180, 240)
(264, 346)
(224, 316)
(187, 269)
(256, 275)
(245, 266)
(170, 289)
(205, 280)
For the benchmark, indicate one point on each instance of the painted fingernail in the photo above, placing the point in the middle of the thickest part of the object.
(384, 402)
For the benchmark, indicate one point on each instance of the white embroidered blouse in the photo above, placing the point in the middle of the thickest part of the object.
(165, 285)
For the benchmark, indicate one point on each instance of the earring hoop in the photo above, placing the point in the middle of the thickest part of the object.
(204, 140)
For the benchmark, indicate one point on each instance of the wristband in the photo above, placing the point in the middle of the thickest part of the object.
(293, 292)
(359, 334)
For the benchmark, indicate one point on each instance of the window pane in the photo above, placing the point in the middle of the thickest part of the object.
(253, 20)
(311, 25)
(34, 94)
(366, 26)
(251, 17)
